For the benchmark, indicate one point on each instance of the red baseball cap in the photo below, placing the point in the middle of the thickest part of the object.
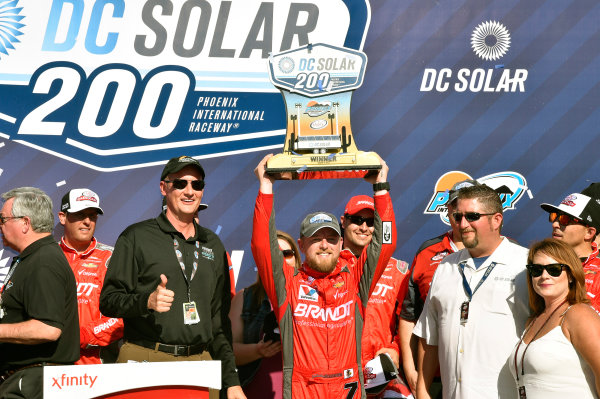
(358, 203)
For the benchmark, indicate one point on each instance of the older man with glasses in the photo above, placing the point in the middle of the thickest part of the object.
(576, 221)
(477, 306)
(169, 281)
(38, 302)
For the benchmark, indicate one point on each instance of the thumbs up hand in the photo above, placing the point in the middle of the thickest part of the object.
(161, 298)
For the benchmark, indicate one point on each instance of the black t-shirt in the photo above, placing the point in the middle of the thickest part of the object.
(42, 287)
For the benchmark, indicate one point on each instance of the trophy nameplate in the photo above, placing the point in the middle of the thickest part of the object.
(317, 82)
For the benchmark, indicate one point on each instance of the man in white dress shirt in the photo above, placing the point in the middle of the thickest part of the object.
(477, 306)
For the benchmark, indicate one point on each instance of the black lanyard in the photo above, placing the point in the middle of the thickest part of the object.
(179, 256)
(467, 288)
(11, 271)
(532, 339)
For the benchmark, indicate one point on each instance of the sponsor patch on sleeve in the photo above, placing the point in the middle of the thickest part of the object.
(387, 232)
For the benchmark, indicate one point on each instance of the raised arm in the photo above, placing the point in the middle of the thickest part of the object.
(265, 249)
(375, 258)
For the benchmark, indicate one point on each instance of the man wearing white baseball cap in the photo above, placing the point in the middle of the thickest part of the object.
(576, 221)
(89, 260)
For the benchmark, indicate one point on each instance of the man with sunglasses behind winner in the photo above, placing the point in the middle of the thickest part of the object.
(576, 221)
(380, 327)
(476, 307)
(169, 281)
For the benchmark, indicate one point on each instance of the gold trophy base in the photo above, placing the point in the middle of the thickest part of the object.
(323, 166)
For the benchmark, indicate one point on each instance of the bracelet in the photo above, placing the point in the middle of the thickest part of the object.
(381, 186)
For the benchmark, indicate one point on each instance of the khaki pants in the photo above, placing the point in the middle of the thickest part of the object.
(138, 353)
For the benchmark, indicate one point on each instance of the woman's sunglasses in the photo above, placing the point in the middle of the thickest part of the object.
(288, 253)
(553, 269)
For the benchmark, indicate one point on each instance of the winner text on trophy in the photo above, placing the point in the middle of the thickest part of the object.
(317, 81)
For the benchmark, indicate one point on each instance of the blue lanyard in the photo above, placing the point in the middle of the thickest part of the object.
(467, 288)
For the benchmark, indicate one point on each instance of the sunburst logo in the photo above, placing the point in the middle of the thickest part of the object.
(490, 40)
(286, 65)
(10, 25)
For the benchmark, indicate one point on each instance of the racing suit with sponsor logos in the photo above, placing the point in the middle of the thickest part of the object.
(591, 268)
(381, 311)
(321, 315)
(423, 267)
(95, 330)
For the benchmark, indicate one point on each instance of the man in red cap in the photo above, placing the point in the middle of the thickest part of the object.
(379, 333)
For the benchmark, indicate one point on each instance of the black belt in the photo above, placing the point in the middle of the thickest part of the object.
(175, 350)
(8, 373)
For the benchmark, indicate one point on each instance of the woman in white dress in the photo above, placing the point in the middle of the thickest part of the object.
(558, 355)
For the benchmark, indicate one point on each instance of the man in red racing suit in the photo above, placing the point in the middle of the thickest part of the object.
(576, 221)
(320, 307)
(89, 261)
(358, 225)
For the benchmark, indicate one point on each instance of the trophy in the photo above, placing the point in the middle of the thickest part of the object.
(317, 81)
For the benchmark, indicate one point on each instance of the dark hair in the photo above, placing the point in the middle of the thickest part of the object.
(562, 253)
(486, 196)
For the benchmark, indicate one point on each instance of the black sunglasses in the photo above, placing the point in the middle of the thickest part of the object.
(359, 220)
(180, 184)
(470, 216)
(553, 269)
(288, 253)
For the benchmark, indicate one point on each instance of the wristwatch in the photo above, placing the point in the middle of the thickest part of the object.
(381, 186)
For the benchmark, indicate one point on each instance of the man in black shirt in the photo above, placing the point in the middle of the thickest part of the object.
(169, 281)
(38, 307)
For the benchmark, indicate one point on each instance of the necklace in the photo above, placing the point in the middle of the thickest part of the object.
(532, 339)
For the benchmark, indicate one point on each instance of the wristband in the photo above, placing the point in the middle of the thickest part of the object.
(381, 186)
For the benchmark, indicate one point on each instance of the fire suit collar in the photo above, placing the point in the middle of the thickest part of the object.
(593, 255)
(168, 228)
(346, 257)
(88, 251)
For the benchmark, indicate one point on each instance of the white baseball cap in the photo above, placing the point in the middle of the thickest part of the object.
(378, 372)
(79, 199)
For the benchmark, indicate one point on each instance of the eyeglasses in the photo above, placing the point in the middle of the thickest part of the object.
(563, 219)
(553, 269)
(359, 220)
(180, 184)
(4, 219)
(288, 253)
(470, 216)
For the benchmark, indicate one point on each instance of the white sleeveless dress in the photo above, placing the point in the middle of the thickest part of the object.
(553, 369)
